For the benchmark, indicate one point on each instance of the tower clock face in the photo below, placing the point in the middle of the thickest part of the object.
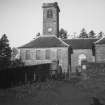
(49, 29)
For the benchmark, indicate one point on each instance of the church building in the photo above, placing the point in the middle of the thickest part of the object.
(47, 48)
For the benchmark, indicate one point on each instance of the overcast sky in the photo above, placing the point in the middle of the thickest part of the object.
(22, 19)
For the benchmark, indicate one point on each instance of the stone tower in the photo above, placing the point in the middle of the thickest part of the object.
(50, 18)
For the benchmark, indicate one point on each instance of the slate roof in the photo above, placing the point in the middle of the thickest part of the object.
(81, 43)
(45, 42)
(100, 41)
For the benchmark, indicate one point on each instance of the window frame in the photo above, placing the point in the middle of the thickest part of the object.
(38, 54)
(49, 13)
(48, 54)
(27, 55)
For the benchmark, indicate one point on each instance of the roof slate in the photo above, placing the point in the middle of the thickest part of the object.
(81, 43)
(45, 42)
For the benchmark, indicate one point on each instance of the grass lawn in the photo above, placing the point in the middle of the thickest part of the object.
(48, 93)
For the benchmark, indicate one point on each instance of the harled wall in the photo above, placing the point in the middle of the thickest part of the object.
(60, 54)
(100, 53)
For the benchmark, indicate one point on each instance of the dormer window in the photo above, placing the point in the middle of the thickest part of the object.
(49, 13)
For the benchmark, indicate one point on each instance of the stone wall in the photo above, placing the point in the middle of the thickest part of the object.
(96, 70)
(96, 74)
(51, 22)
(100, 53)
(75, 55)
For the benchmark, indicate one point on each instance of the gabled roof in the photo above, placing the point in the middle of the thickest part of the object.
(45, 42)
(100, 41)
(81, 43)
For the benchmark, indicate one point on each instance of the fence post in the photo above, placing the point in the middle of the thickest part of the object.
(65, 74)
(25, 77)
(34, 76)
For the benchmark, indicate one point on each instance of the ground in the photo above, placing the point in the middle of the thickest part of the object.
(47, 93)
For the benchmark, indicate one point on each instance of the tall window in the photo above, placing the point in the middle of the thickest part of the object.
(49, 13)
(28, 56)
(48, 54)
(38, 54)
(59, 52)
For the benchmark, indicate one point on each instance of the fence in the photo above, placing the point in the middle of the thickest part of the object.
(21, 75)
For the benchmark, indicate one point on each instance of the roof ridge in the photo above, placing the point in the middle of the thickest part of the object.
(80, 38)
(47, 36)
(63, 42)
(99, 40)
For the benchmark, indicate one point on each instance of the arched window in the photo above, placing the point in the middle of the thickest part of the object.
(81, 57)
(49, 13)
